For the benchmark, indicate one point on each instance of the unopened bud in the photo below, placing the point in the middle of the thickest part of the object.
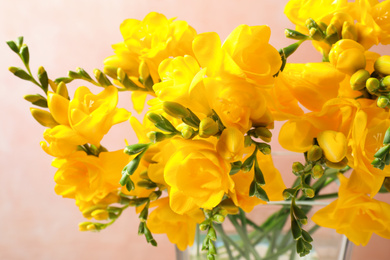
(91, 227)
(316, 34)
(83, 226)
(218, 218)
(291, 34)
(263, 133)
(187, 132)
(110, 71)
(372, 85)
(100, 214)
(382, 65)
(153, 117)
(288, 193)
(204, 226)
(155, 136)
(386, 183)
(208, 127)
(62, 90)
(382, 101)
(314, 153)
(349, 31)
(358, 79)
(309, 192)
(297, 167)
(175, 109)
(43, 117)
(143, 70)
(317, 171)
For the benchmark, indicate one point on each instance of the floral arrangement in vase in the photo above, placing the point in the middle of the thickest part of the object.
(203, 155)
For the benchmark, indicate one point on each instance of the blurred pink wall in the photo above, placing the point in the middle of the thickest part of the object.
(35, 223)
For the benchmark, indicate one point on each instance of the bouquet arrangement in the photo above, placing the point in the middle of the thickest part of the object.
(203, 154)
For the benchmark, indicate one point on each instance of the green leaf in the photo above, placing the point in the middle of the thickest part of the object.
(13, 46)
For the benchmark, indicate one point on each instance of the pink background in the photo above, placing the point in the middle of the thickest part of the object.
(35, 223)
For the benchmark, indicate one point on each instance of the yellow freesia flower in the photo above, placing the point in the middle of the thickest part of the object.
(333, 144)
(311, 84)
(198, 177)
(92, 116)
(245, 54)
(62, 140)
(150, 41)
(182, 82)
(230, 145)
(88, 178)
(337, 115)
(239, 104)
(179, 228)
(347, 56)
(355, 215)
(367, 133)
(274, 184)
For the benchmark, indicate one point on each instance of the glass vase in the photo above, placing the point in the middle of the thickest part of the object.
(265, 234)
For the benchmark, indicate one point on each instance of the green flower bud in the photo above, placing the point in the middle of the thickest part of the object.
(155, 136)
(385, 82)
(372, 85)
(288, 193)
(175, 109)
(382, 101)
(43, 117)
(358, 79)
(382, 65)
(208, 127)
(316, 34)
(263, 133)
(153, 117)
(135, 148)
(314, 153)
(218, 218)
(309, 192)
(291, 34)
(204, 226)
(212, 234)
(187, 132)
(317, 171)
(37, 100)
(297, 167)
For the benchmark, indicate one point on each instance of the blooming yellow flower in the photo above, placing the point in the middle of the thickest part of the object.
(245, 54)
(347, 56)
(337, 115)
(92, 116)
(179, 228)
(150, 41)
(198, 177)
(355, 215)
(182, 82)
(88, 178)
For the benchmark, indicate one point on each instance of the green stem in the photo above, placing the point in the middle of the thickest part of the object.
(222, 233)
(247, 243)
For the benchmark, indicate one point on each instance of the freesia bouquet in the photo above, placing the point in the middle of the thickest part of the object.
(203, 154)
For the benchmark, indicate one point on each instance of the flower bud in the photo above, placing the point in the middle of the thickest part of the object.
(175, 109)
(62, 90)
(263, 133)
(309, 192)
(143, 70)
(208, 127)
(83, 226)
(349, 31)
(333, 144)
(187, 132)
(288, 193)
(218, 218)
(372, 85)
(347, 56)
(155, 136)
(153, 117)
(100, 214)
(385, 82)
(358, 79)
(382, 65)
(382, 101)
(297, 167)
(230, 145)
(43, 117)
(316, 34)
(386, 183)
(317, 171)
(91, 227)
(135, 148)
(314, 153)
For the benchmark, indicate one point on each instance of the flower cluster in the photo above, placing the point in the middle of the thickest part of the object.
(203, 153)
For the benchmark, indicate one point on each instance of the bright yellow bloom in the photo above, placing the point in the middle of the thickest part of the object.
(238, 104)
(274, 184)
(182, 82)
(149, 42)
(333, 144)
(336, 115)
(230, 145)
(367, 133)
(180, 229)
(92, 116)
(89, 179)
(62, 140)
(198, 177)
(355, 215)
(59, 107)
(311, 84)
(245, 54)
(347, 56)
